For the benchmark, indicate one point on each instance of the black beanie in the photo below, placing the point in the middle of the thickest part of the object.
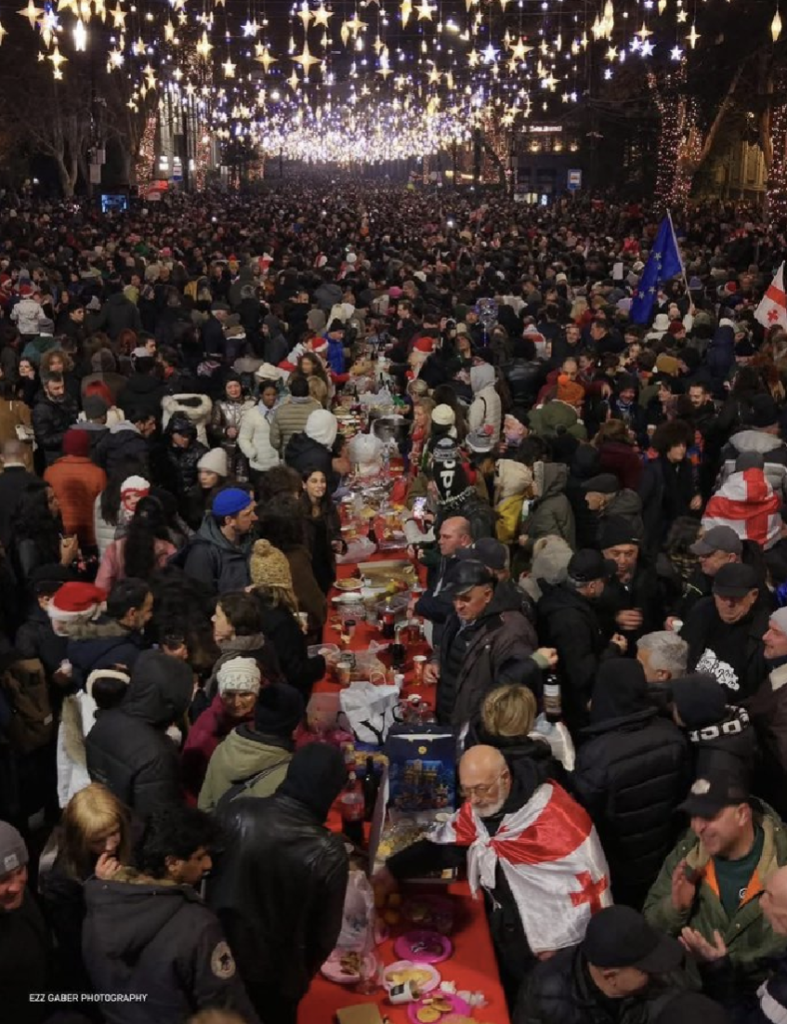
(699, 699)
(279, 710)
(691, 1007)
(691, 357)
(615, 530)
(315, 777)
(621, 689)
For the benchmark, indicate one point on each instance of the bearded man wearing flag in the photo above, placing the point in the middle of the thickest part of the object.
(529, 847)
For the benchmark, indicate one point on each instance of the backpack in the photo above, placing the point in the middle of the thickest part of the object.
(23, 683)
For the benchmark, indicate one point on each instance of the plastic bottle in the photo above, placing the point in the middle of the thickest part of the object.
(352, 810)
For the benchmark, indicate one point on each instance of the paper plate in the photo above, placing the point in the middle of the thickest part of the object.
(410, 965)
(425, 947)
(332, 969)
(457, 1006)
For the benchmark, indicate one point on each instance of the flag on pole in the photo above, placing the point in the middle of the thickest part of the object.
(551, 857)
(663, 264)
(772, 310)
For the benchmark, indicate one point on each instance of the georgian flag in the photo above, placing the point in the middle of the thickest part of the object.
(551, 857)
(746, 503)
(772, 310)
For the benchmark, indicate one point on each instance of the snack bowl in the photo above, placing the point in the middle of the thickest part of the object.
(343, 966)
(432, 1008)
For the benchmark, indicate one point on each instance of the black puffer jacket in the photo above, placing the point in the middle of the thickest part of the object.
(128, 749)
(632, 771)
(121, 443)
(50, 422)
(282, 865)
(303, 452)
(182, 462)
(146, 936)
(560, 991)
(568, 622)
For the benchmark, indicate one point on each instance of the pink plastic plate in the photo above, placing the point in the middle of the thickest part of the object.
(457, 1006)
(332, 969)
(424, 947)
(404, 965)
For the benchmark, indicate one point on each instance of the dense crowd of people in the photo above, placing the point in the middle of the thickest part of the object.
(596, 504)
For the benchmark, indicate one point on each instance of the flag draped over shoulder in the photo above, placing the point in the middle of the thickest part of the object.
(663, 264)
(551, 857)
(746, 503)
(772, 310)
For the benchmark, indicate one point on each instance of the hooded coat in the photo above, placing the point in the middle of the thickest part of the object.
(282, 865)
(196, 409)
(214, 560)
(142, 935)
(550, 513)
(244, 754)
(305, 453)
(486, 409)
(255, 439)
(632, 771)
(100, 644)
(205, 735)
(128, 749)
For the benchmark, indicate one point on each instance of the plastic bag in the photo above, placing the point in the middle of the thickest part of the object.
(357, 931)
(369, 709)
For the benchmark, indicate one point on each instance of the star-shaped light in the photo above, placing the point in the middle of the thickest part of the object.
(229, 68)
(682, 16)
(662, 6)
(250, 29)
(612, 53)
(321, 16)
(489, 54)
(57, 58)
(204, 46)
(676, 53)
(355, 24)
(292, 81)
(169, 31)
(32, 13)
(305, 59)
(425, 10)
(519, 51)
(115, 59)
(3, 33)
(138, 48)
(644, 32)
(608, 74)
(434, 76)
(647, 48)
(305, 14)
(119, 18)
(264, 58)
(692, 37)
(473, 58)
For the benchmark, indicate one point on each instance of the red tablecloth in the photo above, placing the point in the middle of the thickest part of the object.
(472, 965)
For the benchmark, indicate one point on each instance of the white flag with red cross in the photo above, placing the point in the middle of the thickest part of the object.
(772, 310)
(551, 857)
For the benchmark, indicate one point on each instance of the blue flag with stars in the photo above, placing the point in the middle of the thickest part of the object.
(663, 264)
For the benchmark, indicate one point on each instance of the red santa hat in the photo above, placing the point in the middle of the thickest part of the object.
(424, 345)
(76, 601)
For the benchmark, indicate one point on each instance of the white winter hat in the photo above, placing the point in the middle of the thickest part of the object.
(239, 675)
(443, 416)
(215, 461)
(322, 426)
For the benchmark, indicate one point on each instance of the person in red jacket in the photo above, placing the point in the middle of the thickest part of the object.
(239, 682)
(77, 482)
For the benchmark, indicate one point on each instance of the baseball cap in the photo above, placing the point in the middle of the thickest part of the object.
(712, 793)
(718, 538)
(488, 551)
(734, 580)
(621, 937)
(602, 483)
(466, 574)
(588, 565)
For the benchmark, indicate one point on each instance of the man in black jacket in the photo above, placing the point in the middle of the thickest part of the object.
(619, 974)
(435, 603)
(632, 772)
(126, 441)
(148, 934)
(13, 480)
(283, 867)
(53, 413)
(128, 749)
(567, 621)
(724, 632)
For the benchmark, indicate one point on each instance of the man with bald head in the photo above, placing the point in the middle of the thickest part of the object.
(528, 846)
(717, 976)
(435, 604)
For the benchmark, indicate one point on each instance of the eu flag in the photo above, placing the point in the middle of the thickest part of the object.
(663, 264)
